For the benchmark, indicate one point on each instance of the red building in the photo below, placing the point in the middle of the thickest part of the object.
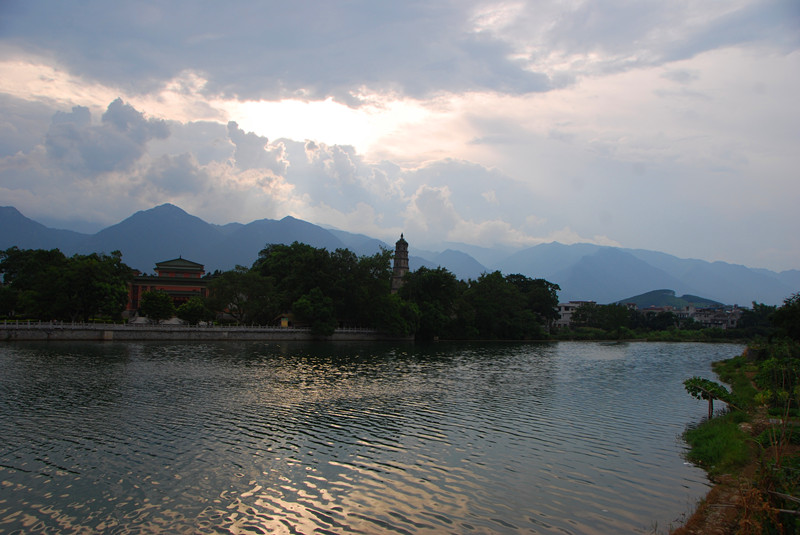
(181, 279)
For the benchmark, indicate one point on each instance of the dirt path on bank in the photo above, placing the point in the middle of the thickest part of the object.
(735, 502)
(717, 514)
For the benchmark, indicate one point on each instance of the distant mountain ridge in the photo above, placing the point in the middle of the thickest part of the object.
(583, 271)
(667, 298)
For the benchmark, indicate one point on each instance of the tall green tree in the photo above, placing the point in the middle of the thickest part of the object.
(48, 285)
(245, 294)
(157, 306)
(787, 317)
(500, 309)
(296, 269)
(541, 296)
(34, 279)
(317, 311)
(355, 285)
(96, 284)
(395, 316)
(434, 292)
(194, 311)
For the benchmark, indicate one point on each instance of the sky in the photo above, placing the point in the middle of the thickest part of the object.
(671, 126)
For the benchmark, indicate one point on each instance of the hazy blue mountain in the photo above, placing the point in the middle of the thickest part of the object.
(229, 228)
(546, 260)
(244, 244)
(16, 229)
(416, 262)
(485, 256)
(663, 298)
(609, 273)
(161, 233)
(459, 263)
(789, 277)
(731, 283)
(462, 265)
(360, 244)
(583, 271)
(583, 275)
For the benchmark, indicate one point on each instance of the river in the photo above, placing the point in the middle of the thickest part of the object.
(567, 438)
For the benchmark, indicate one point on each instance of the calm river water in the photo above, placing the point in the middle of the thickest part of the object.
(348, 438)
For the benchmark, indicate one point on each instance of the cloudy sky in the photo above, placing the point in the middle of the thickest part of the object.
(672, 126)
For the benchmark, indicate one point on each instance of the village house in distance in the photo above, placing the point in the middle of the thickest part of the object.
(722, 317)
(181, 279)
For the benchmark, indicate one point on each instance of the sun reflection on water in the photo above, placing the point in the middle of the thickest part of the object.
(256, 438)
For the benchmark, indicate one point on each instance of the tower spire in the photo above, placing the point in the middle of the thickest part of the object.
(400, 267)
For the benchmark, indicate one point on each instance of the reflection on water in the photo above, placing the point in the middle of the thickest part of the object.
(340, 438)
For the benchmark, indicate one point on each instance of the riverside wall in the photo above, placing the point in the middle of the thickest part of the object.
(54, 331)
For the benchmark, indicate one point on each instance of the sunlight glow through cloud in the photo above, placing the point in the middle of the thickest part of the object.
(486, 121)
(326, 121)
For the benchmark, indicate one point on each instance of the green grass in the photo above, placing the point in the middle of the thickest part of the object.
(733, 371)
(718, 445)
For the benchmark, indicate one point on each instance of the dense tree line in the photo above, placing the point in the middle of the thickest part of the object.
(511, 307)
(617, 321)
(324, 289)
(315, 287)
(46, 284)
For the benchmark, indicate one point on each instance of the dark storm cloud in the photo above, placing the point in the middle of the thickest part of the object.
(22, 124)
(309, 49)
(114, 145)
(631, 34)
(269, 49)
(179, 174)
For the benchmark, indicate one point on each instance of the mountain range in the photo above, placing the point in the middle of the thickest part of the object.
(583, 271)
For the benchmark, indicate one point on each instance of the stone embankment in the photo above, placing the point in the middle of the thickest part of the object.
(57, 331)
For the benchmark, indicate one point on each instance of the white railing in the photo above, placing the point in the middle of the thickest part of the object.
(53, 325)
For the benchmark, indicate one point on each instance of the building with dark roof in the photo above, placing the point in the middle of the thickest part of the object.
(181, 279)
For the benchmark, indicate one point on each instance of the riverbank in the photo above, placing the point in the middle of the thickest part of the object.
(57, 331)
(752, 453)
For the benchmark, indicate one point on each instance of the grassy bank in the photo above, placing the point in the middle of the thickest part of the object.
(669, 335)
(751, 450)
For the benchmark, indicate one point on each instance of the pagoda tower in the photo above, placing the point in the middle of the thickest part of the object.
(400, 267)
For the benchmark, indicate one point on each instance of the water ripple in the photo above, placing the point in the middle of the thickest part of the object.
(302, 438)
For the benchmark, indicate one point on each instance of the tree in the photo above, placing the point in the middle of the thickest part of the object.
(614, 318)
(586, 315)
(48, 285)
(396, 316)
(95, 284)
(500, 308)
(194, 311)
(757, 321)
(245, 294)
(701, 388)
(157, 306)
(355, 285)
(541, 296)
(296, 269)
(316, 310)
(434, 292)
(35, 279)
(787, 317)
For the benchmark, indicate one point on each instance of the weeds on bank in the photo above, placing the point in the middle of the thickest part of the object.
(765, 384)
(719, 445)
(737, 372)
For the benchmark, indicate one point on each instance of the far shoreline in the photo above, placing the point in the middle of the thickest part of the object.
(29, 330)
(108, 332)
